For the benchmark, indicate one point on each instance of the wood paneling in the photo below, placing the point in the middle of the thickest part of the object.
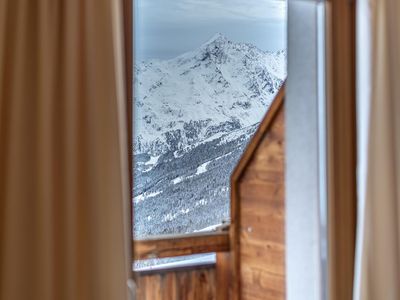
(186, 284)
(170, 246)
(258, 212)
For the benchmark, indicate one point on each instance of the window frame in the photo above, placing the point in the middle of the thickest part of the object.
(341, 97)
(166, 245)
(175, 244)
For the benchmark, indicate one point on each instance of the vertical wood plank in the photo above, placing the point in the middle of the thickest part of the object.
(223, 276)
(190, 284)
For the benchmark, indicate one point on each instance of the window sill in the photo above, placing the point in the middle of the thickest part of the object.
(207, 260)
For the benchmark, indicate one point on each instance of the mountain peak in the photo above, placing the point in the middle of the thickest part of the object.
(218, 37)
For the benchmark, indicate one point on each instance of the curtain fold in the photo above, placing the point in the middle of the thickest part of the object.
(64, 179)
(378, 257)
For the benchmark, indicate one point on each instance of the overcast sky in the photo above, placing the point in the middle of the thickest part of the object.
(167, 28)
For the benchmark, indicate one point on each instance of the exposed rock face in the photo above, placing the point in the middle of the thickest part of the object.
(220, 87)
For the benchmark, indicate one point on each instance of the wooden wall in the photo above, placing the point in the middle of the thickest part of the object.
(186, 284)
(257, 232)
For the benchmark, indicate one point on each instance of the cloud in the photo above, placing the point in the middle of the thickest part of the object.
(167, 28)
(208, 10)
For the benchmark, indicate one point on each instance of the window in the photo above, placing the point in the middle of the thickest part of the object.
(196, 90)
(205, 74)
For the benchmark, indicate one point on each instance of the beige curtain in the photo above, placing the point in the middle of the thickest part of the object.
(64, 192)
(378, 256)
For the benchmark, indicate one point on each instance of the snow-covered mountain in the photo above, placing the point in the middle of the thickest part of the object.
(194, 116)
(220, 87)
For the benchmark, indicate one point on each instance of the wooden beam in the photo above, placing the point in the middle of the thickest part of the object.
(341, 146)
(128, 51)
(170, 246)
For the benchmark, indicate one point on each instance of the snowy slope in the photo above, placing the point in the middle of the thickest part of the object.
(191, 192)
(220, 87)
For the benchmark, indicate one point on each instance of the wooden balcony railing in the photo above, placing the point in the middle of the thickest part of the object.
(173, 245)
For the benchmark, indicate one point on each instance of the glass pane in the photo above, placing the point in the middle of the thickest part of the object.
(206, 72)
